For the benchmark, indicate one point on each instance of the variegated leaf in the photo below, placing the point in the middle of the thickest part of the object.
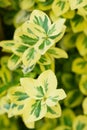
(53, 112)
(40, 18)
(44, 60)
(33, 87)
(79, 66)
(15, 110)
(69, 14)
(5, 3)
(4, 105)
(81, 44)
(84, 106)
(25, 69)
(60, 6)
(5, 75)
(67, 117)
(29, 33)
(21, 17)
(69, 40)
(19, 49)
(57, 52)
(45, 5)
(48, 80)
(30, 125)
(18, 95)
(26, 4)
(56, 30)
(44, 44)
(73, 99)
(49, 66)
(7, 45)
(75, 4)
(80, 122)
(62, 127)
(83, 11)
(30, 57)
(83, 84)
(35, 110)
(55, 96)
(78, 23)
(14, 62)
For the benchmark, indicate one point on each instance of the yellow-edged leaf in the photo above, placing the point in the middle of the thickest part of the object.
(57, 29)
(14, 62)
(55, 96)
(69, 40)
(18, 95)
(33, 87)
(53, 112)
(84, 106)
(40, 18)
(4, 105)
(67, 117)
(48, 80)
(81, 44)
(57, 52)
(26, 4)
(79, 66)
(73, 99)
(60, 7)
(45, 5)
(19, 49)
(83, 84)
(5, 3)
(75, 4)
(21, 17)
(35, 110)
(78, 23)
(30, 57)
(44, 60)
(80, 122)
(7, 45)
(62, 127)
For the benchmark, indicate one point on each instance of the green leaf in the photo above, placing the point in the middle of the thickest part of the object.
(36, 108)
